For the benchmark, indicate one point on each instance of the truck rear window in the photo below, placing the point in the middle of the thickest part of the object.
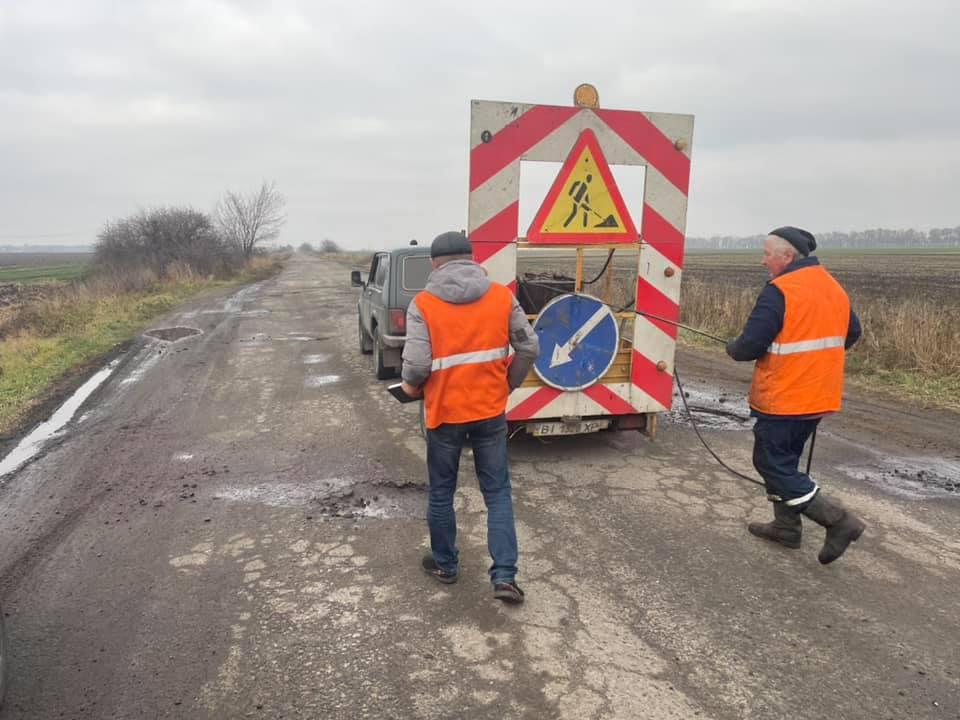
(416, 270)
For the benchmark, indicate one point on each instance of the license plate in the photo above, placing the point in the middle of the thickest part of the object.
(574, 428)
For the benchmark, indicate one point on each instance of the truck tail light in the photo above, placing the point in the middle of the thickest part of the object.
(398, 322)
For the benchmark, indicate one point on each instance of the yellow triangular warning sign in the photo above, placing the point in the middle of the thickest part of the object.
(584, 204)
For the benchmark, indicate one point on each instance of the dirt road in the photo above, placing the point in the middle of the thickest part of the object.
(232, 528)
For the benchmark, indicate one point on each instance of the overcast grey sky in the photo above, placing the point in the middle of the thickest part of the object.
(834, 115)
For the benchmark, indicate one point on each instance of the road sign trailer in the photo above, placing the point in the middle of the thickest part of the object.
(637, 384)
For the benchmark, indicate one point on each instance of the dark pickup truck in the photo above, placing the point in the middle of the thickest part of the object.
(395, 277)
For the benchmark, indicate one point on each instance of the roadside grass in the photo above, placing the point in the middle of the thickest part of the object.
(910, 347)
(42, 273)
(83, 323)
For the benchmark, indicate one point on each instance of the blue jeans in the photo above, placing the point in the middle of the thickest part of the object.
(778, 445)
(488, 438)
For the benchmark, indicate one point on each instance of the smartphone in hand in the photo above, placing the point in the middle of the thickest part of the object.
(397, 391)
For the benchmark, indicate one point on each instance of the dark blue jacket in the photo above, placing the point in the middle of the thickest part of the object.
(766, 321)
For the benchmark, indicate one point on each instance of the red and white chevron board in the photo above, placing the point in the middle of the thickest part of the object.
(501, 135)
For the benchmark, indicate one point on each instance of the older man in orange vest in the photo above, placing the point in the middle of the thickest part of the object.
(459, 330)
(798, 334)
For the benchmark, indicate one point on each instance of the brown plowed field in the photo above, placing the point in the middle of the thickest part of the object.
(867, 274)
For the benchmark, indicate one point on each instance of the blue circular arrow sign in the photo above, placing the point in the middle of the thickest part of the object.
(579, 339)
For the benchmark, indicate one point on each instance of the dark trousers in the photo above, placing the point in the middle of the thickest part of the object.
(488, 438)
(778, 445)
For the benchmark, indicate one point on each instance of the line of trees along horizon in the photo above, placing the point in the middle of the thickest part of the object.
(874, 238)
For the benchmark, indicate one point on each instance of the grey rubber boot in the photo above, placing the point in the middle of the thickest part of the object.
(785, 528)
(843, 527)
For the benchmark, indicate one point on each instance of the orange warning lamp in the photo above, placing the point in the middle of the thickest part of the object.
(586, 95)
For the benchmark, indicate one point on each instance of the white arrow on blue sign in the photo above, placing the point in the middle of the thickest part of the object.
(579, 339)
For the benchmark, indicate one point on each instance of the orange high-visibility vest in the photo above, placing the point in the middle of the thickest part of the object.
(469, 344)
(802, 372)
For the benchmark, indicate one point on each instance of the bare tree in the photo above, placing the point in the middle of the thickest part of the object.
(245, 221)
(329, 246)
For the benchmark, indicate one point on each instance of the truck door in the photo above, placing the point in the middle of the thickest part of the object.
(368, 291)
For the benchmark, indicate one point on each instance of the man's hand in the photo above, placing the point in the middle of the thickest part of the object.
(411, 390)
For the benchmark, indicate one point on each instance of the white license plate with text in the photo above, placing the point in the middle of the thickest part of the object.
(574, 428)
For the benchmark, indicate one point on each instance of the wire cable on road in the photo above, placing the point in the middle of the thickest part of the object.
(696, 429)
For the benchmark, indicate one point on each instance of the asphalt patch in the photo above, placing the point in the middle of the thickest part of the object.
(172, 334)
(911, 477)
(334, 497)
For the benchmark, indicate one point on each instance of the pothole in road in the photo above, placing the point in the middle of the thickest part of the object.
(711, 409)
(911, 477)
(172, 334)
(334, 497)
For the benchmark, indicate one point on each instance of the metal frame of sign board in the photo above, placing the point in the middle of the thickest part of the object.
(502, 134)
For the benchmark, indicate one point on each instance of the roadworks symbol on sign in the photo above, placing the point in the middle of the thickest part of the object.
(584, 204)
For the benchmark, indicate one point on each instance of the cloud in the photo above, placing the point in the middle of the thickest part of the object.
(361, 115)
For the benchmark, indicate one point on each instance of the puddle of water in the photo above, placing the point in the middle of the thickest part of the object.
(34, 442)
(315, 359)
(235, 302)
(144, 361)
(320, 380)
(910, 477)
(172, 334)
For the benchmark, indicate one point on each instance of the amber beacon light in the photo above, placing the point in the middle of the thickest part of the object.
(586, 96)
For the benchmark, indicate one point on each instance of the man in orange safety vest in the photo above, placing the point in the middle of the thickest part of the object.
(459, 331)
(798, 334)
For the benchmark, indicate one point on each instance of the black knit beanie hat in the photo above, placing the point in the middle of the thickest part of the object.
(803, 241)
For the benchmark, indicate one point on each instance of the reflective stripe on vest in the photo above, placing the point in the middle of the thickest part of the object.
(467, 358)
(806, 345)
(802, 371)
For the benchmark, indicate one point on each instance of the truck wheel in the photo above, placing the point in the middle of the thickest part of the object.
(383, 372)
(366, 346)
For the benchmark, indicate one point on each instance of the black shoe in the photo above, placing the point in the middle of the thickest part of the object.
(509, 592)
(433, 570)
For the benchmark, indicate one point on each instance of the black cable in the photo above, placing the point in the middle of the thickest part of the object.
(560, 291)
(603, 269)
(683, 395)
(696, 429)
(813, 441)
(681, 325)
